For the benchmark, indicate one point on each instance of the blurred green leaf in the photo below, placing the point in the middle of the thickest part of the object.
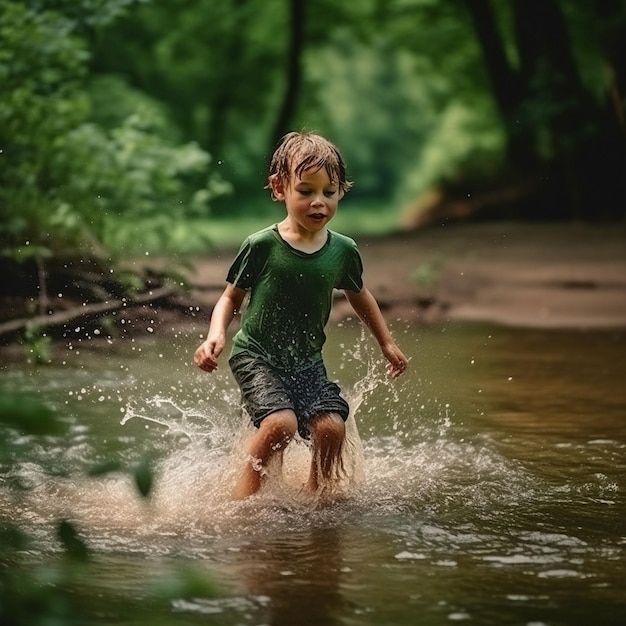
(29, 416)
(187, 581)
(107, 467)
(75, 547)
(144, 478)
(13, 538)
(38, 345)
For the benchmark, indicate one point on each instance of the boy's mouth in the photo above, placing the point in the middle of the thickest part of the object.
(317, 216)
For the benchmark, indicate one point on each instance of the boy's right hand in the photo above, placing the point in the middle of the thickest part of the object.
(206, 355)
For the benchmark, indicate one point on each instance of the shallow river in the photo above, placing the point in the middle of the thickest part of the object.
(486, 486)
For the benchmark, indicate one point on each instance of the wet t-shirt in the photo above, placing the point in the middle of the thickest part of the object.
(290, 295)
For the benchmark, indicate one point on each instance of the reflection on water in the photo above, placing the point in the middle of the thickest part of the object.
(487, 485)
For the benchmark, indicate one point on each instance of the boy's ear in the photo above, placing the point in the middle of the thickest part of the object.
(278, 186)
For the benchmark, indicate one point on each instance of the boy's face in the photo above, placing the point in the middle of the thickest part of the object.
(311, 201)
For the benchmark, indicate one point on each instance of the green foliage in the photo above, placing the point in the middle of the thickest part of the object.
(86, 14)
(41, 64)
(74, 547)
(372, 83)
(43, 596)
(216, 65)
(113, 101)
(464, 141)
(40, 598)
(29, 417)
(67, 176)
(144, 478)
(109, 109)
(137, 176)
(398, 85)
(186, 581)
(37, 345)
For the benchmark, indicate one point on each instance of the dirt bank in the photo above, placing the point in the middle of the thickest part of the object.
(526, 275)
(533, 275)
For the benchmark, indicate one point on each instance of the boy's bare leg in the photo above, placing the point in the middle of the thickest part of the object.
(327, 433)
(271, 438)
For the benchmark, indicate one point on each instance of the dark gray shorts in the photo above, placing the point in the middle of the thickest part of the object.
(266, 389)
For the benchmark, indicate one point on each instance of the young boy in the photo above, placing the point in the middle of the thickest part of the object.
(290, 270)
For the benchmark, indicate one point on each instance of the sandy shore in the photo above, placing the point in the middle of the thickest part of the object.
(530, 275)
(560, 276)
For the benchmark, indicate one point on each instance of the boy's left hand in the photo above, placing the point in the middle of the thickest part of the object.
(397, 361)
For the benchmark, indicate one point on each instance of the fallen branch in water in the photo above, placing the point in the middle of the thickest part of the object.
(85, 311)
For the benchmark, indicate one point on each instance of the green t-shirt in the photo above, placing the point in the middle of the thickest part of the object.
(290, 295)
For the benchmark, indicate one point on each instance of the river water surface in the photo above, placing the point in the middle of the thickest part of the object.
(486, 486)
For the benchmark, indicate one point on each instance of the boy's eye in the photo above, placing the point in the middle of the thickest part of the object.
(307, 192)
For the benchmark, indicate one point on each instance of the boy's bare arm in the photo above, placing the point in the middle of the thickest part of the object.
(366, 307)
(224, 311)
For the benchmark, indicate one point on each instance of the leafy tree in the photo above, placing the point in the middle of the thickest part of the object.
(66, 180)
(553, 118)
(42, 64)
(401, 87)
(109, 108)
(213, 64)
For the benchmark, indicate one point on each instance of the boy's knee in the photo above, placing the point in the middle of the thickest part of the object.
(280, 427)
(330, 426)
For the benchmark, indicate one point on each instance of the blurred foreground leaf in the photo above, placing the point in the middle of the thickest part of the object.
(13, 538)
(75, 547)
(107, 467)
(187, 581)
(29, 416)
(144, 478)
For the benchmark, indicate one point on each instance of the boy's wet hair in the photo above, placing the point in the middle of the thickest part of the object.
(310, 151)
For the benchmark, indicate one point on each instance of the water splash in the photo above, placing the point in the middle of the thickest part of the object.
(194, 424)
(200, 445)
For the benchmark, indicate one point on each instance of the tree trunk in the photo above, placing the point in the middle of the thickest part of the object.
(224, 97)
(297, 13)
(508, 90)
(612, 40)
(589, 158)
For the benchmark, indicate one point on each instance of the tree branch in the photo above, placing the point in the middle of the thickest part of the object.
(86, 311)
